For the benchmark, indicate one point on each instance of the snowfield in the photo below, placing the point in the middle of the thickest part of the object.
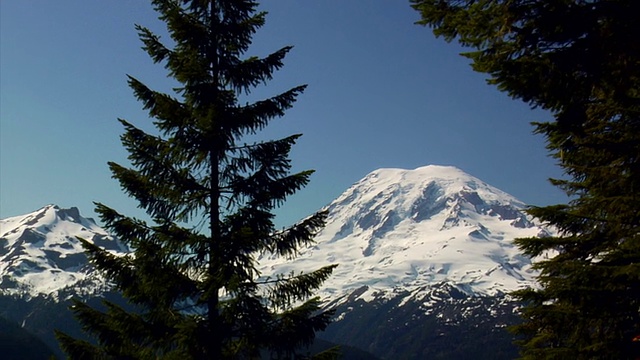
(40, 252)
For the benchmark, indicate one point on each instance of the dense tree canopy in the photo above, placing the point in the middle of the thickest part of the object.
(193, 271)
(579, 59)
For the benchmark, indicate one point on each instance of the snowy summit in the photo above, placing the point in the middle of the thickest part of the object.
(398, 230)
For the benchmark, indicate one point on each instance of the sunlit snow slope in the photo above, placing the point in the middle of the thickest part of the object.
(40, 254)
(406, 229)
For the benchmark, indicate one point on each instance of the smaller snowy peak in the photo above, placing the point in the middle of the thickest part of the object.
(400, 229)
(40, 252)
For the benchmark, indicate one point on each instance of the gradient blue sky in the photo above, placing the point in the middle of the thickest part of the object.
(382, 92)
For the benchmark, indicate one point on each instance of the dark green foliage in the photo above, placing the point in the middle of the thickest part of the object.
(580, 60)
(328, 350)
(193, 272)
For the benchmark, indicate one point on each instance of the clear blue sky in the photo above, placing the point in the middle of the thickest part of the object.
(382, 92)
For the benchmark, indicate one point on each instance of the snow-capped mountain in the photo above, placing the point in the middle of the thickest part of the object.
(402, 230)
(425, 258)
(40, 254)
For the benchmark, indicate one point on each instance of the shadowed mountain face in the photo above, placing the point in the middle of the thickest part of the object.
(18, 343)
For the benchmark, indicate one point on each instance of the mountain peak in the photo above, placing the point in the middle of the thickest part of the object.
(447, 178)
(421, 194)
(40, 252)
(442, 170)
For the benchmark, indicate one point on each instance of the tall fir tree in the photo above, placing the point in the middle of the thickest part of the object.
(197, 289)
(580, 60)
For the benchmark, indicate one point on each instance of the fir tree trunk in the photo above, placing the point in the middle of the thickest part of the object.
(215, 238)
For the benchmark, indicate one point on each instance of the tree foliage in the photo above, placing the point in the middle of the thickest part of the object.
(580, 60)
(193, 272)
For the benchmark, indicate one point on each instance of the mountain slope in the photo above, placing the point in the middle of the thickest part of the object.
(403, 230)
(426, 260)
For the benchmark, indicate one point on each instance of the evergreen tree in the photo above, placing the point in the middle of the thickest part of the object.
(197, 287)
(580, 60)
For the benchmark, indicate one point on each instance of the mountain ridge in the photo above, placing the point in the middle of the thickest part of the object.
(426, 258)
